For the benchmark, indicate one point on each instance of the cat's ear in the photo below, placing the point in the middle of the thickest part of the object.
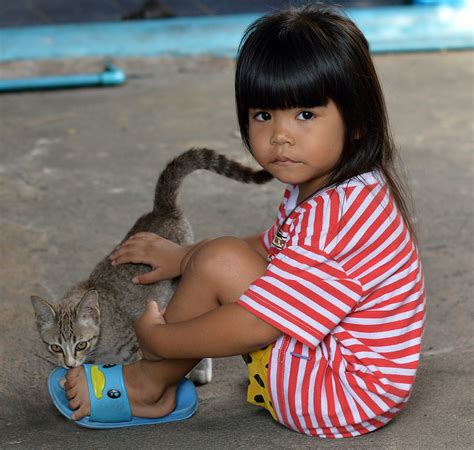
(44, 312)
(88, 312)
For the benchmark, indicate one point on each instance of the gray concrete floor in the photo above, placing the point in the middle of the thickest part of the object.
(78, 166)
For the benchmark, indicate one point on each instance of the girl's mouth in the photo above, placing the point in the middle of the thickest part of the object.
(284, 161)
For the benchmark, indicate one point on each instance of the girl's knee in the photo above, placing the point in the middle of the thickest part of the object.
(221, 250)
(225, 255)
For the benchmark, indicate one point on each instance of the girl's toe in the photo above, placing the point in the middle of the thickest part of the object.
(71, 393)
(72, 377)
(74, 372)
(80, 413)
(75, 403)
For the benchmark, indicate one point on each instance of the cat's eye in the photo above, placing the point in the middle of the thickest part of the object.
(56, 348)
(81, 346)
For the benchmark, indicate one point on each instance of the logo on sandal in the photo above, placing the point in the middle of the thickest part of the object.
(108, 366)
(114, 393)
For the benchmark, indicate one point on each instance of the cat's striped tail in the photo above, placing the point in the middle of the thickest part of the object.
(200, 158)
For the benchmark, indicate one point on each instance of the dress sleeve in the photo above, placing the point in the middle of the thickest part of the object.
(304, 293)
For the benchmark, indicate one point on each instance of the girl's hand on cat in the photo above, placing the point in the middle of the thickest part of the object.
(144, 327)
(162, 255)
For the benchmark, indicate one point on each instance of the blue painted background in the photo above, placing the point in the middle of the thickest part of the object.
(43, 12)
(388, 29)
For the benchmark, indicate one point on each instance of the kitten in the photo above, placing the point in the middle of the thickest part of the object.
(94, 320)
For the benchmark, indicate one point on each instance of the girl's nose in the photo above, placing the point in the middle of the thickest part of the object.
(281, 133)
(281, 137)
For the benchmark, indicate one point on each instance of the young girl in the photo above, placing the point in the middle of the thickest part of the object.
(329, 301)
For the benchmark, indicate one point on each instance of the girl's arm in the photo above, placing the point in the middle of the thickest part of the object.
(225, 331)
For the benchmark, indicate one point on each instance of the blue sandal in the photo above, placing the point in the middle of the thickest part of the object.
(110, 407)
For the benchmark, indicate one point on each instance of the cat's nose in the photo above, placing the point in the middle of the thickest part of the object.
(70, 367)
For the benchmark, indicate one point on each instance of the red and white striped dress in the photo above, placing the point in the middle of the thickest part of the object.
(347, 292)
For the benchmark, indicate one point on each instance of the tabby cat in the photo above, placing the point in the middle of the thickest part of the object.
(94, 320)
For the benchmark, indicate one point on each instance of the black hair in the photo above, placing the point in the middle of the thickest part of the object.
(304, 57)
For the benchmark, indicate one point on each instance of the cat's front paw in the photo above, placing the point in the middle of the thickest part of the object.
(202, 373)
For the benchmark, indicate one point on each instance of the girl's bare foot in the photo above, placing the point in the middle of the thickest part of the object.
(148, 395)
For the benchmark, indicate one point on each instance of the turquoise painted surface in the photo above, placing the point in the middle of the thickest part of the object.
(110, 76)
(390, 29)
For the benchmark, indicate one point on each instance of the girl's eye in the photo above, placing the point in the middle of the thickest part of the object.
(305, 115)
(56, 348)
(262, 116)
(81, 346)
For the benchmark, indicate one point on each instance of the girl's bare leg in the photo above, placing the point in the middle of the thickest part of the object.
(216, 274)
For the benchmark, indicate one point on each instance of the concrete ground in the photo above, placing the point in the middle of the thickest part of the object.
(78, 166)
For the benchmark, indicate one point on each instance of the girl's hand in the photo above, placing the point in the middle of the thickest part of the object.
(144, 328)
(162, 255)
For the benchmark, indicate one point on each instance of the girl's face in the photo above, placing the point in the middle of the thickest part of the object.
(298, 146)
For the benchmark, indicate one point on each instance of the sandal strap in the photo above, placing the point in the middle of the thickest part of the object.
(107, 393)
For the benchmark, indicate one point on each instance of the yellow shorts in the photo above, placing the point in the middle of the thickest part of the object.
(257, 392)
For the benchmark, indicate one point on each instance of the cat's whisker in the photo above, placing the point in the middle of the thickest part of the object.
(45, 359)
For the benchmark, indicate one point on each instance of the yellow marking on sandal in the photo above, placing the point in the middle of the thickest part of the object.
(98, 381)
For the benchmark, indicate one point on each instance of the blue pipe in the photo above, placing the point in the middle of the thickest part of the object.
(111, 76)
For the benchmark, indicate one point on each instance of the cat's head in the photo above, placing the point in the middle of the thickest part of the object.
(70, 329)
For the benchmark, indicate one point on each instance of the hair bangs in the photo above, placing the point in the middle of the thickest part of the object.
(279, 78)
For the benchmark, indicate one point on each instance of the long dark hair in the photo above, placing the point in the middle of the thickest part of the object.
(303, 57)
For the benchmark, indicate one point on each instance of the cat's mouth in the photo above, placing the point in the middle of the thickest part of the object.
(71, 364)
